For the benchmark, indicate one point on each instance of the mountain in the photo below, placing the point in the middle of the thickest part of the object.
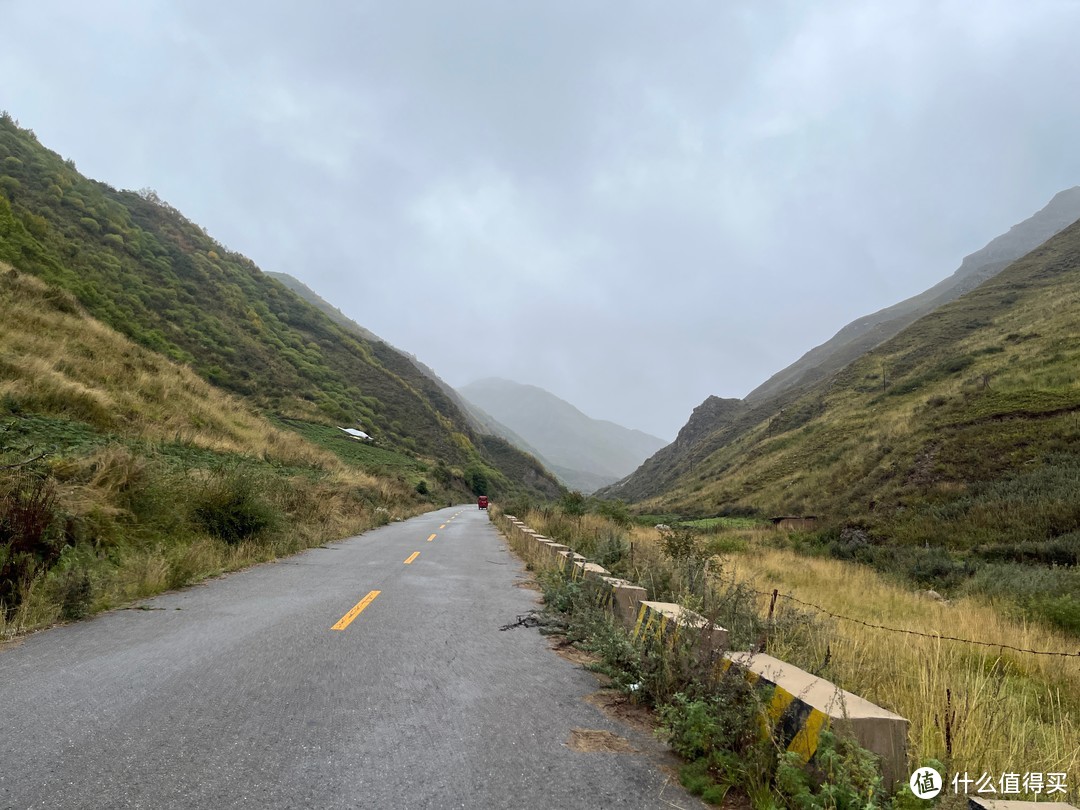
(971, 441)
(320, 303)
(779, 398)
(343, 320)
(139, 266)
(483, 423)
(862, 335)
(584, 452)
(661, 470)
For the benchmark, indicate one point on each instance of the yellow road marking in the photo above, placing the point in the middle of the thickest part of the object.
(358, 608)
(443, 526)
(430, 539)
(412, 557)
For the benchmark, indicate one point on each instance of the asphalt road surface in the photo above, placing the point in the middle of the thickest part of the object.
(240, 692)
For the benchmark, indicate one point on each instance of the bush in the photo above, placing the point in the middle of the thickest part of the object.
(31, 539)
(230, 508)
(476, 479)
(844, 776)
(573, 503)
(74, 593)
(614, 511)
(723, 722)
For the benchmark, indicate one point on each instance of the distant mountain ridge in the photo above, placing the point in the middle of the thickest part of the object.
(779, 399)
(482, 422)
(971, 440)
(585, 453)
(861, 335)
(343, 320)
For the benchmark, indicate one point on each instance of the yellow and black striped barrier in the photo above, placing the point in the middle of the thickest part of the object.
(802, 706)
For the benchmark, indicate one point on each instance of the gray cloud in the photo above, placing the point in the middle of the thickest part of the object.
(630, 205)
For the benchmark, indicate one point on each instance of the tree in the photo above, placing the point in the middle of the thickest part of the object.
(476, 479)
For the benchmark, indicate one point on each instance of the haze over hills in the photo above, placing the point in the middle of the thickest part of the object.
(778, 399)
(585, 453)
(142, 268)
(859, 336)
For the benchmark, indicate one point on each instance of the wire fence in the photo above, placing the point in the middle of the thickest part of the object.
(775, 594)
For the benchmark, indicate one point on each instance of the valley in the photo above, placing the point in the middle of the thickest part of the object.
(169, 414)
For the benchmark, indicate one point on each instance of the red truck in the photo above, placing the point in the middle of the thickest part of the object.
(481, 502)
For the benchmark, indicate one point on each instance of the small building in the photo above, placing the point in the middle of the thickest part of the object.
(798, 523)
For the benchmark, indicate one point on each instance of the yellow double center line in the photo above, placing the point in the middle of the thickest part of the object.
(357, 609)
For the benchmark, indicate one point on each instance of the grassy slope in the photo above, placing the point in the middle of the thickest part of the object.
(143, 461)
(960, 472)
(140, 267)
(981, 399)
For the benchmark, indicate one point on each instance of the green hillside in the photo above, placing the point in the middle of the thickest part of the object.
(950, 449)
(140, 267)
(123, 473)
(717, 423)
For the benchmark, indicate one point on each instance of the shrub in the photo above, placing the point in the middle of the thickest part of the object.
(844, 777)
(74, 593)
(722, 722)
(31, 539)
(476, 479)
(614, 511)
(230, 508)
(573, 503)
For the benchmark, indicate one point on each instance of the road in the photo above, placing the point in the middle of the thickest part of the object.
(240, 692)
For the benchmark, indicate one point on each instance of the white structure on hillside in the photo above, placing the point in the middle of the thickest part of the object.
(359, 435)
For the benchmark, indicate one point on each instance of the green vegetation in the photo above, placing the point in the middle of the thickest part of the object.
(721, 523)
(123, 473)
(140, 267)
(712, 720)
(365, 455)
(949, 456)
(974, 708)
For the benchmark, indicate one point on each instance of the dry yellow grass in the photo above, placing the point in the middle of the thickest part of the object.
(97, 375)
(1013, 711)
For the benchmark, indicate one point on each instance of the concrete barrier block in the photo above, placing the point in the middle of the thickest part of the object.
(623, 598)
(551, 552)
(668, 618)
(566, 559)
(584, 570)
(803, 705)
(979, 803)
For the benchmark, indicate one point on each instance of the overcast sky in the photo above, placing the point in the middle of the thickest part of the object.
(631, 204)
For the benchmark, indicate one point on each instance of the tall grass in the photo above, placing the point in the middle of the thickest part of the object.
(154, 478)
(97, 376)
(132, 525)
(1013, 711)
